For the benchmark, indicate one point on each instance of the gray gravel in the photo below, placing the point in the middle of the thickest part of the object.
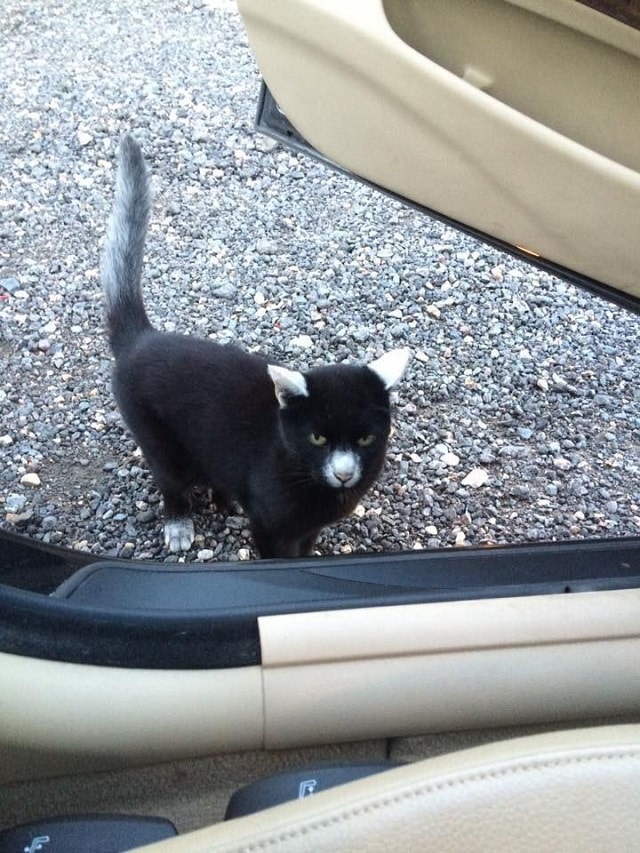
(519, 416)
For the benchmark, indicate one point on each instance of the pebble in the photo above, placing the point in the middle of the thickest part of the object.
(267, 247)
(205, 554)
(31, 479)
(11, 285)
(450, 460)
(475, 478)
(301, 342)
(14, 503)
(226, 291)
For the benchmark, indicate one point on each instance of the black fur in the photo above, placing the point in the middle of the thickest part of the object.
(207, 415)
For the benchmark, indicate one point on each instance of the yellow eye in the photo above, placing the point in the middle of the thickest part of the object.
(366, 440)
(317, 440)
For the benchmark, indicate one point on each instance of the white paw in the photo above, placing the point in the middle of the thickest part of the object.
(178, 534)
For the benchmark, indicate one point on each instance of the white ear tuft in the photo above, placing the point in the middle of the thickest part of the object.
(287, 383)
(391, 366)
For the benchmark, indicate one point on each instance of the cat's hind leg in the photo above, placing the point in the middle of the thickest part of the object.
(173, 474)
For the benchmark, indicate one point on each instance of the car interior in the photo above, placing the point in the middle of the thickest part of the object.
(485, 698)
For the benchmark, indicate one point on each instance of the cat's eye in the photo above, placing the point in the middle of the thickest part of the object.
(317, 439)
(366, 440)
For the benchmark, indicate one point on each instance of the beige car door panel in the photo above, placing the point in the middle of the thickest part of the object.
(517, 119)
(331, 677)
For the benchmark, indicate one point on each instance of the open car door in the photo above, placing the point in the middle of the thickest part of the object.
(517, 119)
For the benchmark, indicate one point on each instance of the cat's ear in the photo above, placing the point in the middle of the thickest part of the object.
(287, 384)
(391, 366)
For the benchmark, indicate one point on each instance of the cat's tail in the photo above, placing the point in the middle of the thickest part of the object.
(121, 267)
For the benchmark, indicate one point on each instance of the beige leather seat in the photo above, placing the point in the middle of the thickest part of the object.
(566, 791)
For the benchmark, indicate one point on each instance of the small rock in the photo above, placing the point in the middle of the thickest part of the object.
(563, 387)
(5, 440)
(450, 460)
(11, 285)
(14, 503)
(361, 335)
(266, 247)
(475, 478)
(84, 138)
(301, 342)
(561, 463)
(205, 554)
(17, 517)
(577, 487)
(225, 291)
(602, 400)
(265, 145)
(31, 479)
(200, 134)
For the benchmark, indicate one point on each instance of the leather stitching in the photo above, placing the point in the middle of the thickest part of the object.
(425, 788)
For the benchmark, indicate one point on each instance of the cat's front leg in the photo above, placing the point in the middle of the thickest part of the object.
(281, 542)
(306, 544)
(179, 531)
(270, 546)
(179, 534)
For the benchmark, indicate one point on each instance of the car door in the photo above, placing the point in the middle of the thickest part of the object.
(518, 119)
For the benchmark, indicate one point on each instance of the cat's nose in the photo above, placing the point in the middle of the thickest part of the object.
(342, 469)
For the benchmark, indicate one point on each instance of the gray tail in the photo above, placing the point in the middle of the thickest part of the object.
(121, 267)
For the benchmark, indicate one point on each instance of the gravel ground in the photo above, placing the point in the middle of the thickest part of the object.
(519, 416)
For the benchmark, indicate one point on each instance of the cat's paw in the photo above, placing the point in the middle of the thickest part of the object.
(179, 534)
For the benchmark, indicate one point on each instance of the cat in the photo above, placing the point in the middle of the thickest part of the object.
(296, 450)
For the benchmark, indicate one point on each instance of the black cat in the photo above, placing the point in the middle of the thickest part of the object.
(296, 451)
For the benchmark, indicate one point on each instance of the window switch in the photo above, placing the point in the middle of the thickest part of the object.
(82, 833)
